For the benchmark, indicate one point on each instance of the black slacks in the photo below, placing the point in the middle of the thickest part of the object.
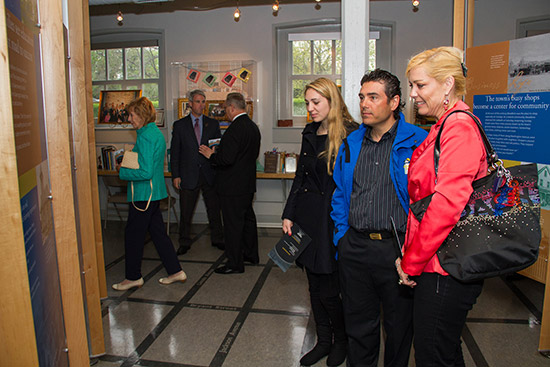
(188, 203)
(368, 279)
(441, 305)
(240, 230)
(139, 223)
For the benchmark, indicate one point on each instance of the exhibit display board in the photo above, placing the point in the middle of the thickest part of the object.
(508, 87)
(34, 180)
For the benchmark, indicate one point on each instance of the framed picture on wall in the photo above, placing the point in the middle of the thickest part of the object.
(184, 107)
(216, 110)
(112, 106)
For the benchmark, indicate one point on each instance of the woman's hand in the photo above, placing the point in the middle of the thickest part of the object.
(287, 226)
(403, 277)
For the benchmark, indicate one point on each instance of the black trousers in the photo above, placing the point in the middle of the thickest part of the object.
(240, 230)
(441, 305)
(188, 203)
(139, 223)
(326, 305)
(368, 279)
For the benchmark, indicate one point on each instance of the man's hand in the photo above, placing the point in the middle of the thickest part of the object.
(206, 151)
(176, 182)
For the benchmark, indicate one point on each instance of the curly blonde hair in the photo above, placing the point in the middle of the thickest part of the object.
(338, 119)
(441, 63)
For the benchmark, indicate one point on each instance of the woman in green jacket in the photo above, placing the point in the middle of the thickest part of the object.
(146, 188)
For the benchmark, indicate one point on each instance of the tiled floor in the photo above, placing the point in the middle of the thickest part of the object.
(261, 318)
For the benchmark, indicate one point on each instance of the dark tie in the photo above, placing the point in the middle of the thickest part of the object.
(198, 131)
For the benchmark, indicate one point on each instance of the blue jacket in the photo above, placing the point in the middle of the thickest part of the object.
(408, 138)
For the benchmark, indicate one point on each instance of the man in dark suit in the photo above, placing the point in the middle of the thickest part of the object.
(191, 171)
(235, 164)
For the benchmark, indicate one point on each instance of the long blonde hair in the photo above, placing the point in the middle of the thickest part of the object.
(338, 117)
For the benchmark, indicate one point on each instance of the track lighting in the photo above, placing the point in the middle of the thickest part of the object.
(119, 18)
(237, 13)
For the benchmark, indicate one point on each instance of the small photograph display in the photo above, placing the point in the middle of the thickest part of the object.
(193, 75)
(229, 79)
(184, 108)
(112, 105)
(216, 110)
(209, 79)
(244, 74)
(160, 117)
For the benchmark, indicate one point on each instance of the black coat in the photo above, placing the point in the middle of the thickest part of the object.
(235, 158)
(309, 204)
(185, 160)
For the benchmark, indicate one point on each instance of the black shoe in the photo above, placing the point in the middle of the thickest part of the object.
(226, 270)
(337, 354)
(250, 260)
(183, 250)
(219, 246)
(314, 355)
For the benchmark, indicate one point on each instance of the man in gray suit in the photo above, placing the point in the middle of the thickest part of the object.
(191, 171)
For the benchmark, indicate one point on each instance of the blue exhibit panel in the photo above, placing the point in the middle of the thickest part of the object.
(518, 125)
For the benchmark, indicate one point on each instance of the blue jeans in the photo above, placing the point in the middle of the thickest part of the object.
(441, 305)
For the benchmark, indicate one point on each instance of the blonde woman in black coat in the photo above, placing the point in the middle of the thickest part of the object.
(309, 205)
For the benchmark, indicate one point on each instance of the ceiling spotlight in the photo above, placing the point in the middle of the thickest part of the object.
(317, 1)
(275, 6)
(237, 15)
(119, 17)
(415, 3)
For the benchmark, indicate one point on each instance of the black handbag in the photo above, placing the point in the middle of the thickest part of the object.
(499, 229)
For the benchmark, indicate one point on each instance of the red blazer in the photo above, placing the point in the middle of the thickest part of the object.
(462, 160)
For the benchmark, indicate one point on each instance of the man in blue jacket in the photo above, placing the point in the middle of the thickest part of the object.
(371, 195)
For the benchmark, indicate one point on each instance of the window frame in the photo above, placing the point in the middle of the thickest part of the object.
(283, 77)
(131, 38)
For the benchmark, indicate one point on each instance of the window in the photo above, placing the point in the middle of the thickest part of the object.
(126, 61)
(307, 52)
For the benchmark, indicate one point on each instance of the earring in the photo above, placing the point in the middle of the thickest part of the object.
(446, 103)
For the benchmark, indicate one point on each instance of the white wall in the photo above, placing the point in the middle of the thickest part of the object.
(214, 35)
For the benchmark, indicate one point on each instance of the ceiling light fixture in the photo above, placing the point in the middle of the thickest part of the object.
(275, 6)
(415, 2)
(237, 13)
(119, 18)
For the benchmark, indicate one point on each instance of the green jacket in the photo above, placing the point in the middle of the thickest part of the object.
(150, 147)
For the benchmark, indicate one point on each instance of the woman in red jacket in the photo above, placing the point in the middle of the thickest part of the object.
(441, 303)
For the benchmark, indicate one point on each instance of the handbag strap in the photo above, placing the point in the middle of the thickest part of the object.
(492, 157)
(148, 202)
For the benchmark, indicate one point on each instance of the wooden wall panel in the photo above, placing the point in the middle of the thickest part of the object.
(56, 117)
(82, 175)
(92, 152)
(17, 337)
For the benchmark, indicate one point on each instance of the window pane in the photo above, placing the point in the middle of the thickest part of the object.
(151, 62)
(151, 91)
(98, 65)
(372, 54)
(133, 63)
(322, 57)
(114, 87)
(95, 97)
(298, 104)
(114, 64)
(338, 57)
(301, 57)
